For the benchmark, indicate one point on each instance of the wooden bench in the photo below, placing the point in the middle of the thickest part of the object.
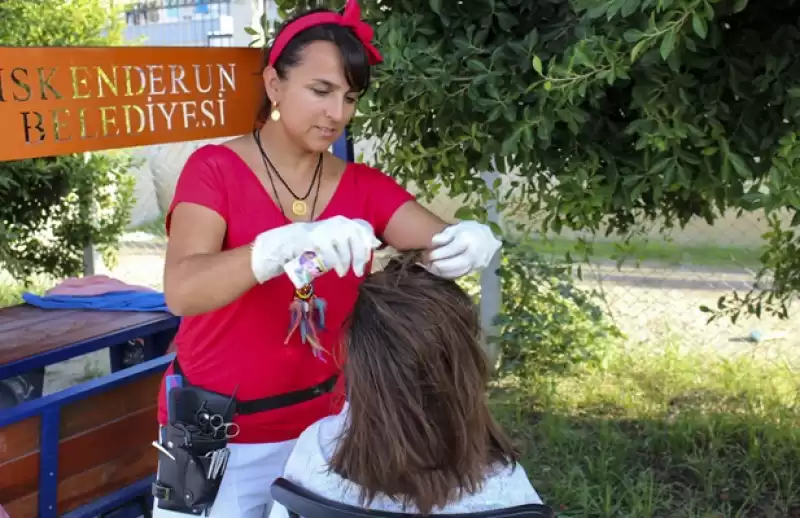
(94, 438)
(31, 338)
(86, 450)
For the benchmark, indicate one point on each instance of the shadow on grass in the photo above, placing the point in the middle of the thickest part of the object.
(692, 460)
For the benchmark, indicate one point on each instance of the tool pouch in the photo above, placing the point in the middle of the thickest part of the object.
(184, 484)
(189, 477)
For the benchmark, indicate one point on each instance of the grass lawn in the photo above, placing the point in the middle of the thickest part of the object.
(655, 251)
(661, 435)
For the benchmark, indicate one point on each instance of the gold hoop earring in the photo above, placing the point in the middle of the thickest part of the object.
(275, 113)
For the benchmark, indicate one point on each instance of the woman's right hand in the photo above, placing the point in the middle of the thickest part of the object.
(340, 241)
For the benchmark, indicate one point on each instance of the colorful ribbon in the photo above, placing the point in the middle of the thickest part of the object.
(351, 18)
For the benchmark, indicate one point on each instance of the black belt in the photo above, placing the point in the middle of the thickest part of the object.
(255, 406)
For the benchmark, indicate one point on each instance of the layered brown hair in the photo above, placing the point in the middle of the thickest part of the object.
(419, 429)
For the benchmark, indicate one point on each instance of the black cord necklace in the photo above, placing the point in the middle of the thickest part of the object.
(316, 179)
(299, 207)
(307, 309)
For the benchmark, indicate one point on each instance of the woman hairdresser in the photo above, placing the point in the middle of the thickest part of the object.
(244, 209)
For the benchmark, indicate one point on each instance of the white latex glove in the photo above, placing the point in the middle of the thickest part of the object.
(462, 248)
(341, 242)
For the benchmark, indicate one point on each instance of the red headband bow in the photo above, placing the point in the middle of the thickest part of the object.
(351, 18)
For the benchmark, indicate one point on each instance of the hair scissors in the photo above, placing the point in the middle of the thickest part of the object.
(216, 423)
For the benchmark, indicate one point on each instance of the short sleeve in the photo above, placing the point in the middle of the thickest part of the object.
(384, 197)
(201, 183)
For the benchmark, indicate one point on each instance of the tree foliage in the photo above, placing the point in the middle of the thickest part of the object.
(601, 114)
(53, 207)
(54, 23)
(547, 324)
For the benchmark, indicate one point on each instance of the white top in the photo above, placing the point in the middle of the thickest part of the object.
(308, 466)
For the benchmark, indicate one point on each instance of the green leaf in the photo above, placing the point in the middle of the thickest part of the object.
(506, 21)
(436, 6)
(629, 7)
(476, 65)
(597, 11)
(699, 25)
(739, 165)
(632, 35)
(496, 229)
(638, 48)
(251, 31)
(511, 143)
(667, 45)
(739, 6)
(464, 212)
(537, 64)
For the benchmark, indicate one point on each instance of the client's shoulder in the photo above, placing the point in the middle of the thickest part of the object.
(313, 450)
(323, 434)
(510, 483)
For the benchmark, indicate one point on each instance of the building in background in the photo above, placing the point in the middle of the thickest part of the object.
(194, 23)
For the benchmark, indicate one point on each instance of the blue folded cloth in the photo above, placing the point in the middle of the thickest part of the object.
(114, 301)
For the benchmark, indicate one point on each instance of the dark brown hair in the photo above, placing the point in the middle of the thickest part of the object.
(419, 429)
(357, 69)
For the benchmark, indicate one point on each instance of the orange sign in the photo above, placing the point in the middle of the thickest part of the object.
(64, 100)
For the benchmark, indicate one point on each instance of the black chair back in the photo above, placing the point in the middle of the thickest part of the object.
(301, 502)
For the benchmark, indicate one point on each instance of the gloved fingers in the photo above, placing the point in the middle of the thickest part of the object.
(452, 249)
(334, 258)
(445, 236)
(345, 243)
(452, 268)
(344, 249)
(368, 232)
(363, 242)
(360, 250)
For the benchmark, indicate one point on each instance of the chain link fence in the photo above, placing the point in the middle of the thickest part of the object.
(655, 284)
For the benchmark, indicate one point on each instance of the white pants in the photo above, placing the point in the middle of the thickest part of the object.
(244, 490)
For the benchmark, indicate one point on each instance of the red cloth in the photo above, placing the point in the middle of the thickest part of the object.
(242, 343)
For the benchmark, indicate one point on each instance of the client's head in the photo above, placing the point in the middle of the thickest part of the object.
(419, 427)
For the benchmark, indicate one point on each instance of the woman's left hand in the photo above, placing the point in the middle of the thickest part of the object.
(462, 248)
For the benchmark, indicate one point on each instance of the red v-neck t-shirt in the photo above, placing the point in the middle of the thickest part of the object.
(243, 343)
